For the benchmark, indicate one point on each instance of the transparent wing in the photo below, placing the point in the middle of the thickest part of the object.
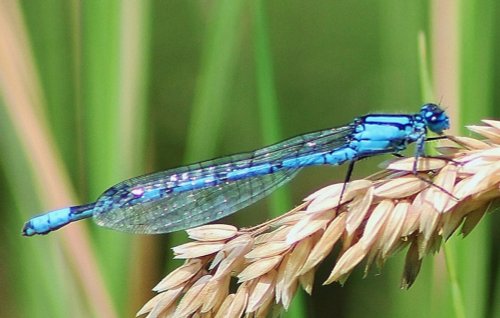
(178, 207)
(192, 208)
(315, 142)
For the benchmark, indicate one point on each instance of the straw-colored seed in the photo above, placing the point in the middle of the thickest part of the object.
(335, 189)
(262, 292)
(213, 294)
(268, 249)
(480, 181)
(197, 249)
(161, 302)
(288, 292)
(490, 154)
(164, 313)
(443, 185)
(225, 308)
(328, 203)
(309, 225)
(424, 164)
(147, 307)
(212, 232)
(474, 166)
(489, 132)
(191, 300)
(358, 209)
(239, 243)
(493, 123)
(423, 205)
(469, 143)
(352, 257)
(325, 244)
(277, 235)
(265, 307)
(280, 283)
(400, 188)
(429, 220)
(376, 222)
(291, 219)
(394, 227)
(182, 274)
(297, 259)
(234, 258)
(412, 220)
(240, 300)
(259, 268)
(326, 200)
(325, 192)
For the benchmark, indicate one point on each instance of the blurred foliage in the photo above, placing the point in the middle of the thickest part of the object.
(127, 88)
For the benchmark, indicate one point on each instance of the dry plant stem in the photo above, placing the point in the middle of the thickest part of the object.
(375, 218)
(21, 92)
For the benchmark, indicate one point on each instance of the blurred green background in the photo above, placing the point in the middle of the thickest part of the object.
(93, 92)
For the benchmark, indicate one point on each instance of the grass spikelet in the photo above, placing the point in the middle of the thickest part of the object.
(378, 216)
(213, 294)
(394, 227)
(191, 300)
(325, 244)
(180, 275)
(263, 292)
(259, 267)
(197, 249)
(212, 232)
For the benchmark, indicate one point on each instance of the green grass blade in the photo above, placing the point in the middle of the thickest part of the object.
(215, 76)
(39, 279)
(114, 84)
(100, 95)
(213, 87)
(114, 109)
(55, 55)
(280, 201)
(456, 289)
(267, 98)
(427, 91)
(25, 108)
(476, 73)
(135, 32)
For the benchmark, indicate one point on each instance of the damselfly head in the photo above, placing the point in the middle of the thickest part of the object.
(435, 118)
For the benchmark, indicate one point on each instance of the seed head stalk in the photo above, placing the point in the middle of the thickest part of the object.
(373, 219)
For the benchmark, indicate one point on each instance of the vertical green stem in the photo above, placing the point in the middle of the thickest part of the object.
(214, 82)
(456, 290)
(102, 89)
(269, 118)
